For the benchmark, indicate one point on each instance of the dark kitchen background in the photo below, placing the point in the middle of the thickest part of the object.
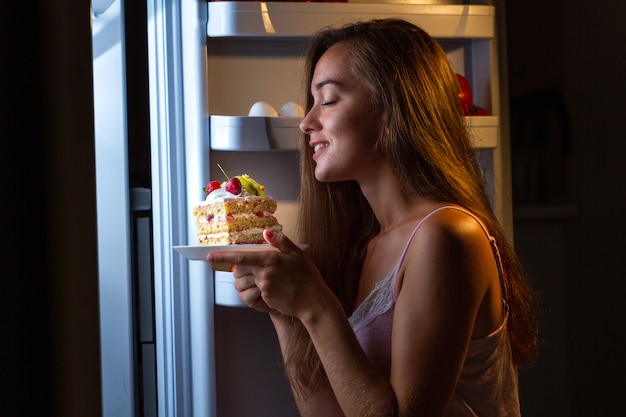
(566, 64)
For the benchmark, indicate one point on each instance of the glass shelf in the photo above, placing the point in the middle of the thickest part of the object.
(242, 133)
(302, 19)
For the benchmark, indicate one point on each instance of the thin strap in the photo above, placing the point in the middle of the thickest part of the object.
(406, 248)
(492, 242)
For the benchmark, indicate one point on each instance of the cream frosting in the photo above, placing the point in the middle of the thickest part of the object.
(222, 195)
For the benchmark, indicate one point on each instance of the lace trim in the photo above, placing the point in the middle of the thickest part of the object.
(377, 303)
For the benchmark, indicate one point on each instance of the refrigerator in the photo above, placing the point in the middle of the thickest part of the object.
(174, 83)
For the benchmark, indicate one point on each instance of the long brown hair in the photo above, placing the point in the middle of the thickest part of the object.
(427, 142)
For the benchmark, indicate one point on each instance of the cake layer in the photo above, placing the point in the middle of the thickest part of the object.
(250, 204)
(209, 223)
(238, 220)
(251, 236)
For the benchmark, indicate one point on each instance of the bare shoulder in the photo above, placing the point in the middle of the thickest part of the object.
(451, 226)
(444, 299)
(451, 270)
(450, 248)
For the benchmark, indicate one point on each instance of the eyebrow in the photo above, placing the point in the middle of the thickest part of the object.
(321, 84)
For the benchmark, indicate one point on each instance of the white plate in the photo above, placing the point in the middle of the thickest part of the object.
(199, 253)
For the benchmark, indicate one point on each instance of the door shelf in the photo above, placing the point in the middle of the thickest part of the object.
(225, 293)
(254, 133)
(303, 19)
(246, 133)
(484, 131)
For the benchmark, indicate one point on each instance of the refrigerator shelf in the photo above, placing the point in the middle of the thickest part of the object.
(254, 133)
(225, 293)
(246, 133)
(484, 131)
(302, 19)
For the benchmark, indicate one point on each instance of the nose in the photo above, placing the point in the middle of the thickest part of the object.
(307, 124)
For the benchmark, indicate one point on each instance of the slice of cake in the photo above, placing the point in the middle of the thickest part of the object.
(235, 212)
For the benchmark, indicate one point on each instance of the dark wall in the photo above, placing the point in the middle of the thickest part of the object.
(565, 62)
(49, 343)
(23, 378)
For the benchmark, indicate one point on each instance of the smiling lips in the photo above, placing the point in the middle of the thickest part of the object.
(319, 146)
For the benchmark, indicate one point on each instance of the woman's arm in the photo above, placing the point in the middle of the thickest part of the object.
(449, 273)
(358, 387)
(322, 401)
(288, 286)
(446, 276)
(443, 284)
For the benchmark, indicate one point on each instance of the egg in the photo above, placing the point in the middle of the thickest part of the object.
(291, 109)
(262, 109)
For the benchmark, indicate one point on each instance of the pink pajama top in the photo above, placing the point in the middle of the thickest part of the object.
(488, 383)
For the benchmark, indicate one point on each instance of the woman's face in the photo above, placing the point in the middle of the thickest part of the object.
(342, 124)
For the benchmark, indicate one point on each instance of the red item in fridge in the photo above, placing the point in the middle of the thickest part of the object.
(465, 93)
(476, 111)
(467, 100)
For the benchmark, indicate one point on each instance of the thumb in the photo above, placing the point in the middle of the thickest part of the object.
(281, 242)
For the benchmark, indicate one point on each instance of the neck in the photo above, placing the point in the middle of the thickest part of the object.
(390, 206)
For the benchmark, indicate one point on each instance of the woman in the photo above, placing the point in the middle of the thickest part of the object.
(403, 304)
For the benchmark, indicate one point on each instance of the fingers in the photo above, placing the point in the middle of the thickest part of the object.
(235, 257)
(250, 294)
(245, 282)
(242, 270)
(265, 279)
(281, 242)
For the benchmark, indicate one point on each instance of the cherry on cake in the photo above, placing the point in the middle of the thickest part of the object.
(235, 212)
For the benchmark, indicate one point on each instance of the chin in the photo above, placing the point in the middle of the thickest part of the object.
(326, 177)
(321, 178)
(333, 173)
